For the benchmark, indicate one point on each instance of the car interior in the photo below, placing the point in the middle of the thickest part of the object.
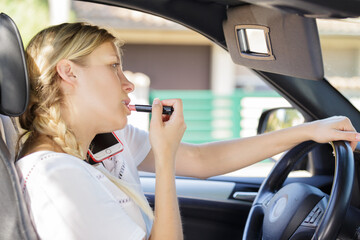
(324, 206)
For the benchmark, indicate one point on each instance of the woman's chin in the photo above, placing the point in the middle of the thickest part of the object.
(117, 125)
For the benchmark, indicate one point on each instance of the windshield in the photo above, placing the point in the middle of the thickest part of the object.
(340, 43)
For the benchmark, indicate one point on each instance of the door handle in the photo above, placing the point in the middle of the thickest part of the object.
(245, 196)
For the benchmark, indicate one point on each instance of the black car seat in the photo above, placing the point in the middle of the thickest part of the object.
(14, 87)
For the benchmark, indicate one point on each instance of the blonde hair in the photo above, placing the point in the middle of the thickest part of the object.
(72, 41)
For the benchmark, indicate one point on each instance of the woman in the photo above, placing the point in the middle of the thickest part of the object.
(78, 90)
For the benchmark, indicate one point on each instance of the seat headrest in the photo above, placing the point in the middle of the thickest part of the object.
(14, 83)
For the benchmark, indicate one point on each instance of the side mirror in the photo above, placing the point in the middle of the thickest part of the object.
(279, 118)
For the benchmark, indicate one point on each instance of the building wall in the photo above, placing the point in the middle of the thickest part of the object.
(348, 51)
(188, 65)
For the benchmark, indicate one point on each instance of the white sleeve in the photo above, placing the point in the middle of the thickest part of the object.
(73, 204)
(137, 141)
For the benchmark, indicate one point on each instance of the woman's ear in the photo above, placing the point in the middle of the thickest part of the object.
(65, 68)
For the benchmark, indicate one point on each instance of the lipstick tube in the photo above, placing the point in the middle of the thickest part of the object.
(147, 108)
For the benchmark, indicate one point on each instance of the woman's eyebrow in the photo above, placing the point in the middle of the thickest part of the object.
(118, 59)
(114, 57)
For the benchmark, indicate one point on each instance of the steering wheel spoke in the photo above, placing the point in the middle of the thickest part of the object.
(308, 226)
(264, 198)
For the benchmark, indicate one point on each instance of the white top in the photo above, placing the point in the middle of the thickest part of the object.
(70, 199)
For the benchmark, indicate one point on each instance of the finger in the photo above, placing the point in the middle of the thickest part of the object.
(176, 104)
(353, 145)
(169, 102)
(348, 136)
(352, 137)
(156, 113)
(343, 123)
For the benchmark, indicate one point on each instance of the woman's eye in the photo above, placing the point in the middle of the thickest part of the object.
(115, 65)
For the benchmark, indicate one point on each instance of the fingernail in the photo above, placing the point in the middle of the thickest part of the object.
(156, 101)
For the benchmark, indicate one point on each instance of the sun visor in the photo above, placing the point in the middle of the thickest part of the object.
(273, 41)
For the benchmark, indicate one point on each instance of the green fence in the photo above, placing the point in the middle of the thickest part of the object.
(210, 117)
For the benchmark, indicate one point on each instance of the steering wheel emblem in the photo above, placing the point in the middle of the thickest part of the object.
(278, 208)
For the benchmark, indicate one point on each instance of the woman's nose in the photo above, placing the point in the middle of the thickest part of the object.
(127, 85)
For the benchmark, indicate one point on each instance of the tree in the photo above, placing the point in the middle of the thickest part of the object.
(30, 16)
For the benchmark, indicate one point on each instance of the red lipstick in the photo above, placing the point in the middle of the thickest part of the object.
(147, 108)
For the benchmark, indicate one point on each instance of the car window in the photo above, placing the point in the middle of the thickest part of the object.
(163, 59)
(340, 43)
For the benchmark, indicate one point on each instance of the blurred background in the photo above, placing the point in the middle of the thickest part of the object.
(221, 100)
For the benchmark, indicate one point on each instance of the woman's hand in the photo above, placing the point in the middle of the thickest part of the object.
(165, 136)
(333, 129)
(166, 131)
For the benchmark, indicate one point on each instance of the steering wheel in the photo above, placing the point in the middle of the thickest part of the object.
(298, 210)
